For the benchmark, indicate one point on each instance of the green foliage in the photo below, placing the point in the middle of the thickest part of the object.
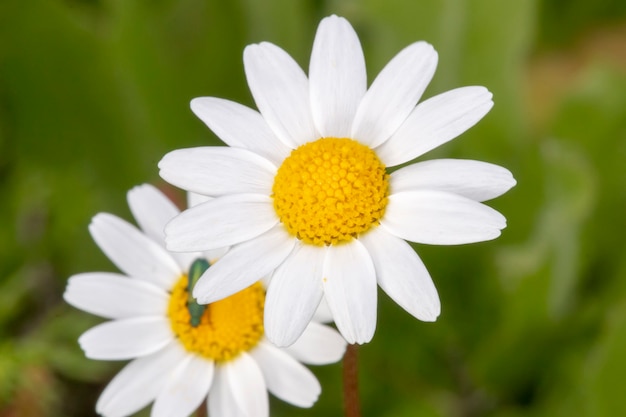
(94, 92)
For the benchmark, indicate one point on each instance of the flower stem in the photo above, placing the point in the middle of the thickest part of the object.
(350, 382)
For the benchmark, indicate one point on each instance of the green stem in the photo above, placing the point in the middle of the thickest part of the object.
(350, 382)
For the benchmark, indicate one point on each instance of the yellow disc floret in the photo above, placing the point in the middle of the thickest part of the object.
(328, 191)
(227, 327)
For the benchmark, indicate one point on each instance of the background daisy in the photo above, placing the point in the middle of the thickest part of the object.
(304, 194)
(177, 364)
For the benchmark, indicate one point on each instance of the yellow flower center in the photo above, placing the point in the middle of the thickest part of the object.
(227, 327)
(328, 191)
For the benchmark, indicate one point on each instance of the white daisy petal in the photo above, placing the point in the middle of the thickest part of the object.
(193, 199)
(211, 255)
(152, 210)
(318, 345)
(239, 390)
(221, 222)
(243, 265)
(126, 338)
(435, 122)
(115, 296)
(440, 218)
(323, 313)
(186, 388)
(133, 252)
(295, 292)
(214, 255)
(479, 181)
(185, 259)
(281, 92)
(350, 289)
(285, 377)
(139, 382)
(240, 127)
(394, 93)
(218, 170)
(337, 77)
(402, 274)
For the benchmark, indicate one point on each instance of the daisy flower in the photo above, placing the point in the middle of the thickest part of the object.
(181, 354)
(303, 192)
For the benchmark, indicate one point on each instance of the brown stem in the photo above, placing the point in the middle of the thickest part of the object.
(350, 382)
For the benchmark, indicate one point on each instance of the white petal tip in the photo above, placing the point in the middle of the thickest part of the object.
(206, 297)
(98, 219)
(89, 354)
(202, 297)
(174, 246)
(429, 314)
(360, 339)
(279, 343)
(499, 223)
(332, 17)
(163, 162)
(311, 401)
(283, 336)
(205, 300)
(253, 48)
(495, 234)
(174, 243)
(199, 105)
(281, 340)
(197, 101)
(430, 317)
(427, 49)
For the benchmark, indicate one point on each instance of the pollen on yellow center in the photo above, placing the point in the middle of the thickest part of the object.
(227, 327)
(330, 190)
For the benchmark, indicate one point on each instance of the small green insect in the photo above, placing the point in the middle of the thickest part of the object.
(195, 272)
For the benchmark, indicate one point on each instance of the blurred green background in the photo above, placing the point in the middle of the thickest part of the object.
(94, 92)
